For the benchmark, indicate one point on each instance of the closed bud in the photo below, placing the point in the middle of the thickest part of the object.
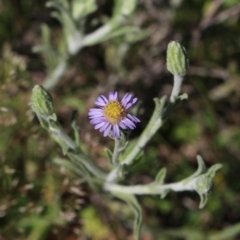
(177, 62)
(128, 7)
(81, 9)
(41, 102)
(125, 7)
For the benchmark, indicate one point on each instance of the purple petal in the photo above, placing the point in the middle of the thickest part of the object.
(95, 116)
(115, 97)
(129, 123)
(133, 118)
(128, 106)
(100, 103)
(97, 120)
(128, 97)
(111, 96)
(116, 132)
(106, 132)
(94, 111)
(122, 125)
(103, 128)
(125, 96)
(134, 100)
(103, 98)
(97, 126)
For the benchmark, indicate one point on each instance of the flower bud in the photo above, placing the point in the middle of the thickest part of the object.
(42, 102)
(177, 62)
(81, 9)
(125, 7)
(129, 7)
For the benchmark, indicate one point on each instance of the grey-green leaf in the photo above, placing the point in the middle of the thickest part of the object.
(160, 176)
(133, 203)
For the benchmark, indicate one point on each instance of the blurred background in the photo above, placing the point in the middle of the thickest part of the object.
(41, 200)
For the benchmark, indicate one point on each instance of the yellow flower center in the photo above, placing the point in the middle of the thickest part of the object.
(114, 112)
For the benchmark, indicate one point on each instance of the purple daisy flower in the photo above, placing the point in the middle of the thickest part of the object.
(111, 114)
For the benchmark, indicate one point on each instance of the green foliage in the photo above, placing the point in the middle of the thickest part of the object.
(93, 225)
(41, 200)
(186, 131)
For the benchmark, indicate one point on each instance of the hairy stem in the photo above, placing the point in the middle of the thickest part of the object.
(176, 87)
(116, 152)
(151, 189)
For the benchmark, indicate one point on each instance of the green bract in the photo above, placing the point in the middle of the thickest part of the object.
(177, 62)
(204, 184)
(41, 101)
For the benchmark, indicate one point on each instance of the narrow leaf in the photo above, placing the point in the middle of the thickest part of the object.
(200, 170)
(108, 153)
(133, 203)
(160, 176)
(212, 170)
(164, 193)
(203, 200)
(75, 127)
